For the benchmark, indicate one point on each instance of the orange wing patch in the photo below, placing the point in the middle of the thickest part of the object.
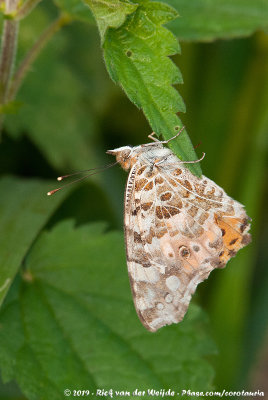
(234, 235)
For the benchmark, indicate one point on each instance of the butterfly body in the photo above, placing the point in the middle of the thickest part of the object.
(178, 228)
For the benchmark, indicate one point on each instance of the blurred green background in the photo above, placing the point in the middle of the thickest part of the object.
(69, 113)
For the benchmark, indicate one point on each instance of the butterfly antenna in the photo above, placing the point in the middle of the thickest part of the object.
(60, 178)
(51, 192)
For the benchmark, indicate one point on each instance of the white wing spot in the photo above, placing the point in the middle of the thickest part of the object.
(160, 306)
(173, 283)
(149, 274)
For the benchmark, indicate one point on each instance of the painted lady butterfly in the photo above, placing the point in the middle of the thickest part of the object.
(178, 228)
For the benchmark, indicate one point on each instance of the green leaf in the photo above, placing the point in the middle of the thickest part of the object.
(136, 56)
(70, 323)
(110, 14)
(205, 20)
(76, 9)
(24, 209)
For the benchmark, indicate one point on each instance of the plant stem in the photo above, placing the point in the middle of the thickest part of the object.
(26, 8)
(8, 50)
(32, 54)
(8, 53)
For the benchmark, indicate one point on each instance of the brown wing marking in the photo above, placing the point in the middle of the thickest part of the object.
(136, 254)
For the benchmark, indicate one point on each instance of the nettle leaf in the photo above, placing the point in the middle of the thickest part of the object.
(136, 56)
(76, 9)
(24, 209)
(110, 13)
(206, 20)
(70, 323)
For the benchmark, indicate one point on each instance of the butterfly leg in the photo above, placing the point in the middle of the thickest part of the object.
(153, 138)
(165, 141)
(173, 137)
(161, 161)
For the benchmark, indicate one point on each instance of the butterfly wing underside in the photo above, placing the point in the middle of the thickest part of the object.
(172, 241)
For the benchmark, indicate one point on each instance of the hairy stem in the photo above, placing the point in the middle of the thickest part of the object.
(34, 52)
(8, 53)
(8, 50)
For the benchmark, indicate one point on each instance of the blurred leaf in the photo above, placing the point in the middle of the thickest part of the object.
(24, 209)
(10, 391)
(55, 121)
(136, 56)
(218, 19)
(89, 70)
(110, 14)
(76, 8)
(74, 309)
(89, 202)
(256, 328)
(245, 170)
(2, 7)
(54, 113)
(10, 108)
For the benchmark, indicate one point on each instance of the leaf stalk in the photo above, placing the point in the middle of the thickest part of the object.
(26, 9)
(33, 53)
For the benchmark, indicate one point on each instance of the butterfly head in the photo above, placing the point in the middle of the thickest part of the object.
(124, 156)
(127, 156)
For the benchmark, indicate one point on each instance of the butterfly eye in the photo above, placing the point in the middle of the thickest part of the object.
(126, 154)
(184, 252)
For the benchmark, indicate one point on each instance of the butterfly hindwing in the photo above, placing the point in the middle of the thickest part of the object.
(178, 228)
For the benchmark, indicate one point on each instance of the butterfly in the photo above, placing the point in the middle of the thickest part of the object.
(178, 228)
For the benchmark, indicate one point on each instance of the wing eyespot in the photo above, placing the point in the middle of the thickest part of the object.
(184, 252)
